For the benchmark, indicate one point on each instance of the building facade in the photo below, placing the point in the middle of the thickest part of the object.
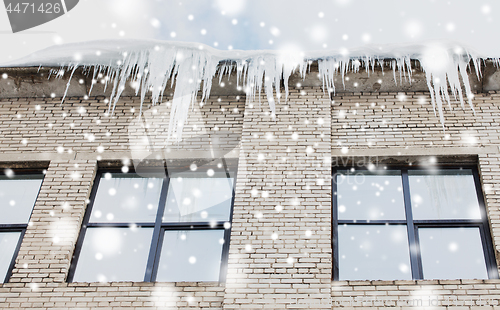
(279, 241)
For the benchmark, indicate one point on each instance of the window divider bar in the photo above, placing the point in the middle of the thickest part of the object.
(227, 232)
(14, 257)
(182, 225)
(12, 227)
(484, 230)
(153, 256)
(447, 223)
(419, 254)
(157, 254)
(491, 267)
(415, 259)
(335, 229)
(120, 225)
(193, 225)
(372, 222)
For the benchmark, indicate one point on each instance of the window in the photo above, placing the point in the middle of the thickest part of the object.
(173, 228)
(391, 224)
(18, 193)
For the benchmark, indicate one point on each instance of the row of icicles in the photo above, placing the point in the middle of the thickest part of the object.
(190, 70)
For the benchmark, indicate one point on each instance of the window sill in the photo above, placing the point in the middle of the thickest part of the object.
(414, 282)
(132, 283)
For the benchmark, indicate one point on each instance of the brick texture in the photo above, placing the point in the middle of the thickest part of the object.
(280, 249)
(49, 241)
(407, 120)
(78, 125)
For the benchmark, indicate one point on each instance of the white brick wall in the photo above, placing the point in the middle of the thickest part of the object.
(403, 125)
(281, 259)
(49, 241)
(293, 172)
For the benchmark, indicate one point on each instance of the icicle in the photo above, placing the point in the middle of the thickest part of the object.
(428, 78)
(97, 69)
(407, 64)
(465, 79)
(69, 81)
(150, 66)
(393, 65)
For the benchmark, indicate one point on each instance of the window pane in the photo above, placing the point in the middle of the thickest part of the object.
(193, 255)
(17, 198)
(366, 196)
(452, 253)
(373, 252)
(126, 198)
(198, 199)
(114, 254)
(8, 244)
(444, 194)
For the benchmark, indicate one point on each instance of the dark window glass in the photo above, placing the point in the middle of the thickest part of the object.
(17, 197)
(365, 196)
(191, 256)
(378, 252)
(123, 198)
(443, 194)
(198, 199)
(18, 193)
(156, 229)
(452, 253)
(114, 254)
(8, 244)
(410, 224)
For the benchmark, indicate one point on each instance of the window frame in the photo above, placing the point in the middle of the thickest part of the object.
(7, 228)
(159, 227)
(412, 225)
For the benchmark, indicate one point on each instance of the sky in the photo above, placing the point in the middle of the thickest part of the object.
(266, 24)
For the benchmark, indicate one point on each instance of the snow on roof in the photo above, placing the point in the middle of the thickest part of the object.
(151, 65)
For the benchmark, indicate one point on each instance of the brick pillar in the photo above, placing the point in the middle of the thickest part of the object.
(280, 251)
(49, 241)
(489, 167)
